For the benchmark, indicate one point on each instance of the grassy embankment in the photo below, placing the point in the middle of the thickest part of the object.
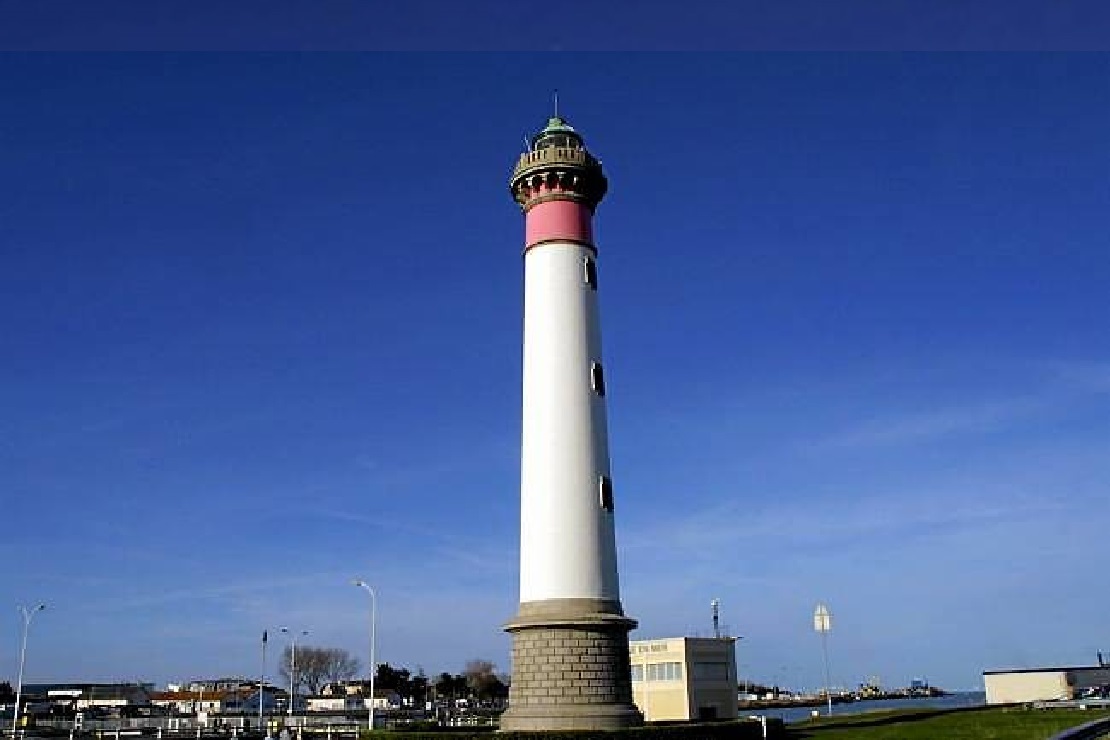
(1002, 723)
(995, 723)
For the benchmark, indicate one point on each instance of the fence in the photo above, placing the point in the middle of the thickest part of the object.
(224, 726)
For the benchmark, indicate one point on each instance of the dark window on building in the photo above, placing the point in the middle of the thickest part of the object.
(606, 487)
(597, 378)
(589, 270)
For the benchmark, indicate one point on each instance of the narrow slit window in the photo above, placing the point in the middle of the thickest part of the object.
(597, 378)
(606, 489)
(589, 272)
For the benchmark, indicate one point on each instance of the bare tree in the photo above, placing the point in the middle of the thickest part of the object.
(318, 666)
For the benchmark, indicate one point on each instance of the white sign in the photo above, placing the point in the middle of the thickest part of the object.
(822, 620)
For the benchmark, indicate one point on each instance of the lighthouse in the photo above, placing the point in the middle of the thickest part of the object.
(570, 663)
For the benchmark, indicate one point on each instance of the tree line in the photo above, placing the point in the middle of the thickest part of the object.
(318, 666)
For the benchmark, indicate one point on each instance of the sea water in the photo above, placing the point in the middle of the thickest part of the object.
(954, 700)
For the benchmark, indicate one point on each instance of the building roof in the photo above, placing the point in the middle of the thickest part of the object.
(722, 638)
(558, 124)
(1050, 670)
(90, 690)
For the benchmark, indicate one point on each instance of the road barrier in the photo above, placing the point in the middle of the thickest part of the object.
(1088, 731)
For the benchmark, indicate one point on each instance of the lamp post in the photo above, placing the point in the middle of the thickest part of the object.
(28, 615)
(292, 665)
(822, 623)
(373, 634)
(262, 682)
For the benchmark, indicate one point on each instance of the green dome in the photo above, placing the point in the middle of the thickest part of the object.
(557, 133)
(557, 123)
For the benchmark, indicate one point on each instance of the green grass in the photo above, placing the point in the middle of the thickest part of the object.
(1002, 723)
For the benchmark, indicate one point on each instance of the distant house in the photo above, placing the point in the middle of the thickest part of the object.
(92, 695)
(186, 702)
(237, 683)
(345, 688)
(234, 701)
(337, 703)
(386, 699)
(272, 699)
(325, 703)
(356, 693)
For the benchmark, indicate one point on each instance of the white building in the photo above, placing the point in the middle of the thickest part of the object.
(90, 695)
(684, 678)
(335, 699)
(243, 701)
(333, 703)
(1043, 684)
(187, 702)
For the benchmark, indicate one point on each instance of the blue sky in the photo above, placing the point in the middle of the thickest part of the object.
(885, 25)
(261, 322)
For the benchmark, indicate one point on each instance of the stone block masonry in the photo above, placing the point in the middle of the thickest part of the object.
(571, 668)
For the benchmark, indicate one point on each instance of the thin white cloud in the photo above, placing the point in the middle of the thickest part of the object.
(1084, 376)
(473, 552)
(913, 428)
(211, 591)
(1067, 384)
(805, 523)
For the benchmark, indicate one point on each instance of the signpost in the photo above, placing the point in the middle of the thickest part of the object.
(822, 623)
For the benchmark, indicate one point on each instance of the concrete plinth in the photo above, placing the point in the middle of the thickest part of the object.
(570, 667)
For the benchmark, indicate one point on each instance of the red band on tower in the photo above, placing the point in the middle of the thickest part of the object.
(562, 220)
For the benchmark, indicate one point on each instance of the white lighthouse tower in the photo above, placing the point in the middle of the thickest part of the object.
(570, 663)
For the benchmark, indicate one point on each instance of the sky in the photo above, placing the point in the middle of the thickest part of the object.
(260, 328)
(351, 25)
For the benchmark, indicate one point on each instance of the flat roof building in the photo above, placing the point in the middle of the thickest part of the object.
(85, 695)
(1043, 684)
(684, 678)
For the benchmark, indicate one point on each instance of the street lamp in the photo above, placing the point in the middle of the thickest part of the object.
(28, 615)
(373, 634)
(822, 623)
(292, 664)
(262, 683)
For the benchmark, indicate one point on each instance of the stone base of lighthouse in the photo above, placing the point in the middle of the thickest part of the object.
(570, 667)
